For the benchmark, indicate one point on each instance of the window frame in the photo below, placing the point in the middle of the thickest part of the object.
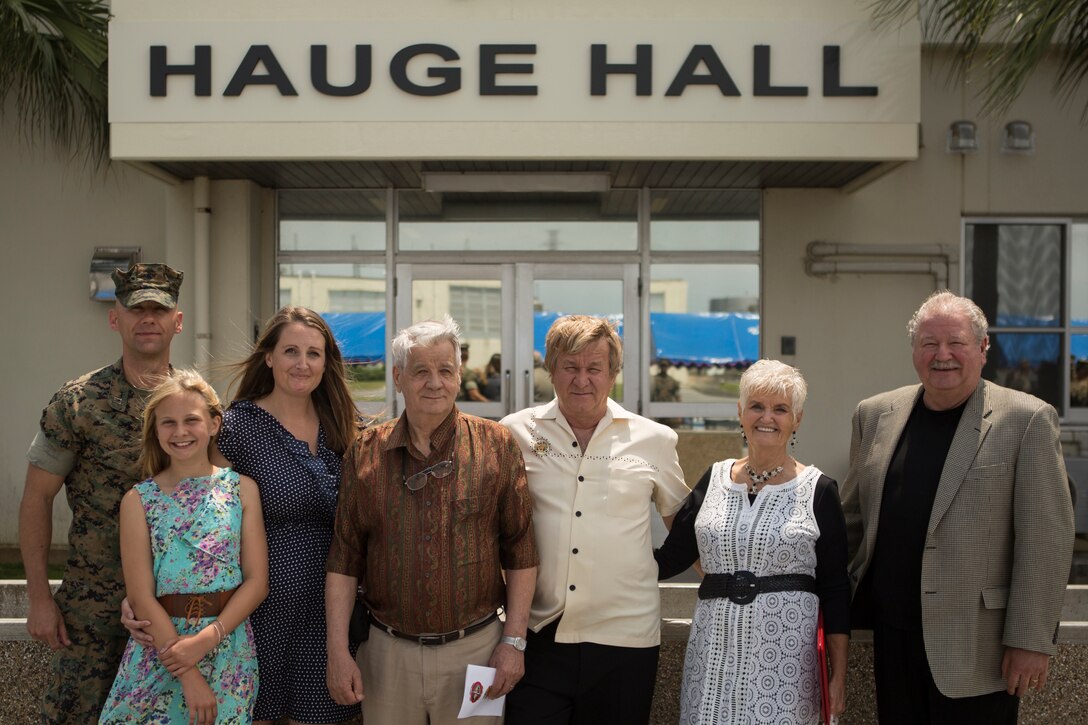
(643, 255)
(1065, 329)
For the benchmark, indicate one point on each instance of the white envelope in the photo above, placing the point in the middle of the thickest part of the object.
(475, 702)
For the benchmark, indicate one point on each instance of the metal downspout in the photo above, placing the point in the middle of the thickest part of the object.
(202, 224)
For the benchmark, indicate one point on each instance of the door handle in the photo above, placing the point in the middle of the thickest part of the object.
(505, 395)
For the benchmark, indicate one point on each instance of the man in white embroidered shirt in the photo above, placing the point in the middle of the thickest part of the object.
(594, 469)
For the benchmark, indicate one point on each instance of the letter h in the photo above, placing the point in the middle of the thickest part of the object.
(201, 70)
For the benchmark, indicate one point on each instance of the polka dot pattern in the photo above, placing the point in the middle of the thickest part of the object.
(298, 496)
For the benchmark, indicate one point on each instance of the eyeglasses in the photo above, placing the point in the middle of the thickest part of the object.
(418, 480)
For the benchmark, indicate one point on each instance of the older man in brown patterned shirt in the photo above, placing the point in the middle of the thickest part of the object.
(434, 509)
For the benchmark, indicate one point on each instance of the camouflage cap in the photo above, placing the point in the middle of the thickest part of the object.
(147, 283)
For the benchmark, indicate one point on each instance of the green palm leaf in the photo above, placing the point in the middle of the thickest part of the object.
(1004, 39)
(53, 64)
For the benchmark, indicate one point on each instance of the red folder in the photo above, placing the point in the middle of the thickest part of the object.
(821, 666)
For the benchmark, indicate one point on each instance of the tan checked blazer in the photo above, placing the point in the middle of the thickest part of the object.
(1000, 536)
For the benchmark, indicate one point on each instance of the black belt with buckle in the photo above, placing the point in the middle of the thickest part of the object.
(433, 640)
(743, 586)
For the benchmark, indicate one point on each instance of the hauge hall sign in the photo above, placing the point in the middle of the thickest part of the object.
(587, 71)
(440, 64)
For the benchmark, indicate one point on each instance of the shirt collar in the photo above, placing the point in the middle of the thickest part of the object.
(613, 412)
(440, 438)
(121, 389)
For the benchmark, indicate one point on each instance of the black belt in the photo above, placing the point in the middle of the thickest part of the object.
(743, 586)
(433, 640)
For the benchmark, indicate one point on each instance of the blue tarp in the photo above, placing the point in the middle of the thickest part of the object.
(1035, 347)
(361, 335)
(542, 322)
(729, 339)
(1078, 346)
(716, 338)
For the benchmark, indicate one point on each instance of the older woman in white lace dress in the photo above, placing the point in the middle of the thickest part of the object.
(769, 533)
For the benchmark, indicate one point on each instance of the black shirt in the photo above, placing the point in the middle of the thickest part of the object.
(910, 486)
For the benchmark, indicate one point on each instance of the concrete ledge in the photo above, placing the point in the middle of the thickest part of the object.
(24, 664)
(13, 599)
(13, 630)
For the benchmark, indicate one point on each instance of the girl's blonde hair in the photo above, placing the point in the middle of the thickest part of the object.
(153, 459)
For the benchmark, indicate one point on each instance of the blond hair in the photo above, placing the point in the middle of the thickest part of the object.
(153, 459)
(571, 334)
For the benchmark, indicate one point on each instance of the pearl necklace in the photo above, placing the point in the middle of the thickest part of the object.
(758, 479)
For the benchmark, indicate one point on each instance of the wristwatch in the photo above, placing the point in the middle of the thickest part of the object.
(517, 643)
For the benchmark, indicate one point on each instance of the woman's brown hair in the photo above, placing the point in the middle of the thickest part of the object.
(332, 397)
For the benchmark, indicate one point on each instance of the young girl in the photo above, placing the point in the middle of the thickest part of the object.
(196, 564)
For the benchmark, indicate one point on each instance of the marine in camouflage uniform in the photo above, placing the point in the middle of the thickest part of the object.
(91, 438)
(665, 389)
(470, 380)
(97, 418)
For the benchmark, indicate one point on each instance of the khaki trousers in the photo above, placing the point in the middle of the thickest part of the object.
(405, 683)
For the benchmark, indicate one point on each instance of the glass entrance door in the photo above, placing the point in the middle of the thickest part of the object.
(548, 291)
(480, 298)
(505, 310)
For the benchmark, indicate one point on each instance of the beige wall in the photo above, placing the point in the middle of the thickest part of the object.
(851, 329)
(235, 285)
(54, 213)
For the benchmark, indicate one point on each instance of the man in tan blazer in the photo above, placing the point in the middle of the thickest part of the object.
(960, 529)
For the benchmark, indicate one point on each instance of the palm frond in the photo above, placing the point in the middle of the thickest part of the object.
(53, 64)
(1005, 40)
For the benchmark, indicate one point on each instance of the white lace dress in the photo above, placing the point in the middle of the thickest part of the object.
(755, 663)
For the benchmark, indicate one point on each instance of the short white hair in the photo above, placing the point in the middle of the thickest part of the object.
(943, 303)
(774, 376)
(426, 334)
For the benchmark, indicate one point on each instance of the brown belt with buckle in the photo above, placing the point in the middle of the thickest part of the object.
(194, 607)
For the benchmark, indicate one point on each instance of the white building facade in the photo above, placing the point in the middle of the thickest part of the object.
(771, 165)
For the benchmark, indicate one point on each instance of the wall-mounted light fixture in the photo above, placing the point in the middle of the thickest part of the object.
(962, 137)
(103, 262)
(1018, 138)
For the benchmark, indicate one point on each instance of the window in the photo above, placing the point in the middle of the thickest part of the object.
(357, 300)
(1022, 273)
(704, 303)
(693, 255)
(332, 220)
(1078, 338)
(478, 309)
(518, 222)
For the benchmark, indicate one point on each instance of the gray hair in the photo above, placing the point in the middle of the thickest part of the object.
(774, 376)
(945, 303)
(425, 334)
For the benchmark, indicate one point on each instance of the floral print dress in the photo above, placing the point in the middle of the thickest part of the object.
(196, 535)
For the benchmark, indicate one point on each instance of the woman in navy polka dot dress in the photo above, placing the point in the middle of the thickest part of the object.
(291, 421)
